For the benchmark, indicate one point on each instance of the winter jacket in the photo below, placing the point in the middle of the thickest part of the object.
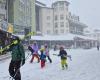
(43, 55)
(63, 54)
(35, 49)
(18, 52)
(47, 51)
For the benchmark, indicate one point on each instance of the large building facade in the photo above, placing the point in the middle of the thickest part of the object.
(47, 20)
(3, 10)
(75, 26)
(38, 28)
(61, 25)
(58, 20)
(21, 14)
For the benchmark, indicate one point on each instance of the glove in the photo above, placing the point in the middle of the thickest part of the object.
(23, 62)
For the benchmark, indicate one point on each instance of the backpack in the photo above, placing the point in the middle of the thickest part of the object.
(30, 48)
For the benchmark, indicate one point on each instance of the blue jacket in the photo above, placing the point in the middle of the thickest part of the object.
(43, 55)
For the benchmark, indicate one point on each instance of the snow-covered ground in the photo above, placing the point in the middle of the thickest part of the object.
(85, 65)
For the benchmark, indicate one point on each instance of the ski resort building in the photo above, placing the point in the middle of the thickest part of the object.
(3, 11)
(58, 20)
(21, 14)
(69, 41)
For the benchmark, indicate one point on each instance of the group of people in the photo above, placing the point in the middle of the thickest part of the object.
(18, 57)
(40, 57)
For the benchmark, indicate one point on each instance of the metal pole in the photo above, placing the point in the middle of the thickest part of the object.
(7, 10)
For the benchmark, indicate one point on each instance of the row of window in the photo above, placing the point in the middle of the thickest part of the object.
(60, 4)
(61, 17)
(74, 29)
(60, 9)
(61, 31)
(62, 24)
(56, 31)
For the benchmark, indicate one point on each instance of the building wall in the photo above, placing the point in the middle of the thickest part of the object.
(61, 15)
(46, 20)
(20, 14)
(3, 10)
(33, 16)
(62, 22)
(76, 27)
(38, 17)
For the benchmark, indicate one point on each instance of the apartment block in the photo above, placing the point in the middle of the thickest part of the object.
(58, 20)
(46, 20)
(3, 10)
(21, 14)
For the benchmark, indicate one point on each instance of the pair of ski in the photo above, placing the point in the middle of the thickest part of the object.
(69, 56)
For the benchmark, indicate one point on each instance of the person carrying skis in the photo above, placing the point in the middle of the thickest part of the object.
(42, 57)
(47, 53)
(18, 58)
(63, 55)
(35, 52)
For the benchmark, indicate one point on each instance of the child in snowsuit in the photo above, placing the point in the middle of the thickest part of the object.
(63, 55)
(47, 53)
(42, 57)
(35, 53)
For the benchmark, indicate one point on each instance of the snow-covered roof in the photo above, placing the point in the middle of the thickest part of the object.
(57, 37)
(52, 37)
(60, 37)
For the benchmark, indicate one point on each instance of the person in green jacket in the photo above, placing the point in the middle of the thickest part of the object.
(18, 59)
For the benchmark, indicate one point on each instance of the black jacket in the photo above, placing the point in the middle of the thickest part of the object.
(63, 54)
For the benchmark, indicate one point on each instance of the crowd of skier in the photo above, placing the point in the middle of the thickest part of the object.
(18, 56)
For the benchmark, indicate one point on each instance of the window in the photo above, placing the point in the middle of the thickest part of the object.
(62, 31)
(56, 25)
(48, 32)
(2, 6)
(66, 17)
(61, 17)
(56, 31)
(56, 17)
(21, 6)
(55, 9)
(61, 6)
(48, 24)
(61, 24)
(48, 17)
(67, 24)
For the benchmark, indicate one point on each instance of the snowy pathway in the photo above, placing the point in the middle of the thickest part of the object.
(85, 65)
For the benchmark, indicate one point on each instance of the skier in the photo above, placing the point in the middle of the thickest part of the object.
(18, 59)
(35, 52)
(42, 57)
(63, 55)
(98, 47)
(47, 53)
(55, 47)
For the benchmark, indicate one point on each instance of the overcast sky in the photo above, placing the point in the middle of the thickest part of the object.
(88, 10)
